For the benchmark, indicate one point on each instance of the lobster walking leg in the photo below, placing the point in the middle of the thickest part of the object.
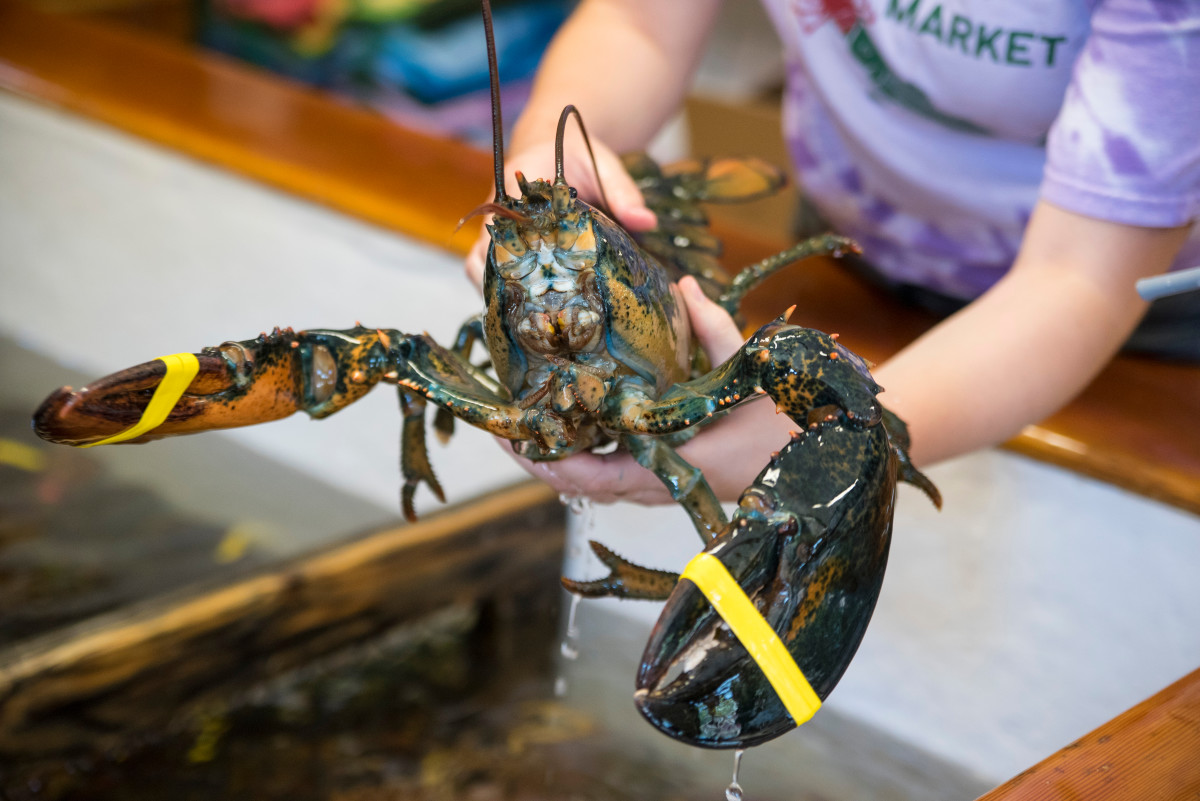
(469, 333)
(625, 579)
(688, 486)
(414, 456)
(755, 274)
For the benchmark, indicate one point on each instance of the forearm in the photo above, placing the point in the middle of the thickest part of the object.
(1032, 342)
(625, 64)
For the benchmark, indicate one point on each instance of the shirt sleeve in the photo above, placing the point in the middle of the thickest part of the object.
(1125, 146)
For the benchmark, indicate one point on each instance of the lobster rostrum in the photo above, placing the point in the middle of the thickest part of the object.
(589, 347)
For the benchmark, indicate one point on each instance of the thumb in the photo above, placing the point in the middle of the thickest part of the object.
(716, 331)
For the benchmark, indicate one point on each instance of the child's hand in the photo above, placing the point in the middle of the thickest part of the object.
(537, 161)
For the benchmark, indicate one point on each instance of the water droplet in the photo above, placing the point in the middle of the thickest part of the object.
(572, 628)
(734, 791)
(568, 649)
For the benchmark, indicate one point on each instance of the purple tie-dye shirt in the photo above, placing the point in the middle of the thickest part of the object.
(928, 130)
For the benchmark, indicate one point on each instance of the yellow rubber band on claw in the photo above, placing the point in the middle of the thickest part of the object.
(181, 369)
(765, 647)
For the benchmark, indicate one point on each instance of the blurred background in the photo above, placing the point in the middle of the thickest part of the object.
(246, 613)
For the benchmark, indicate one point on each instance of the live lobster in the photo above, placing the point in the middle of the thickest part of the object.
(589, 346)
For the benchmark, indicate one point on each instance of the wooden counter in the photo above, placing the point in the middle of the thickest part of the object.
(90, 685)
(1135, 426)
(1147, 752)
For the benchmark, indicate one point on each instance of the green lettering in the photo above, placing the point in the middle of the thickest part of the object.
(1051, 43)
(933, 23)
(908, 15)
(1018, 49)
(988, 41)
(960, 29)
(864, 50)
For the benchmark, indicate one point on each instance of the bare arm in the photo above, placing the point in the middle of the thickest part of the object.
(624, 63)
(1020, 352)
(1032, 342)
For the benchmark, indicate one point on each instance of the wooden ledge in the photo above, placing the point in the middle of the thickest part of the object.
(133, 670)
(1135, 426)
(1147, 752)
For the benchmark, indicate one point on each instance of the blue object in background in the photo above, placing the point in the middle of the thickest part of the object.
(441, 64)
(420, 61)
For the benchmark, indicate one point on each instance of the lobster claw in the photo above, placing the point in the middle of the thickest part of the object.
(118, 401)
(812, 570)
(233, 384)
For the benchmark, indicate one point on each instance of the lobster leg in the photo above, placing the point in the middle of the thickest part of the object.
(755, 274)
(468, 334)
(624, 580)
(236, 384)
(802, 370)
(414, 456)
(807, 545)
(686, 483)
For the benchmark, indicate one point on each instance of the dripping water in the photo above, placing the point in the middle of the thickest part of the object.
(734, 791)
(584, 512)
(568, 649)
(576, 504)
(585, 521)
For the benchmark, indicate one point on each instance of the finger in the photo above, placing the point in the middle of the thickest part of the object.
(625, 201)
(604, 479)
(716, 331)
(628, 205)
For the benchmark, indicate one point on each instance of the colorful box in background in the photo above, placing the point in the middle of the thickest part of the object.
(421, 62)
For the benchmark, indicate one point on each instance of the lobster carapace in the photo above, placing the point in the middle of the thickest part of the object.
(589, 347)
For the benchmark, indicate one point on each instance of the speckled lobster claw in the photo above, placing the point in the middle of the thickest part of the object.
(813, 570)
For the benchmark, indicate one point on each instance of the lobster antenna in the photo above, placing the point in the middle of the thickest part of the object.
(559, 176)
(497, 123)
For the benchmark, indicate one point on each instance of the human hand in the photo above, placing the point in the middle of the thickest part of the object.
(730, 452)
(536, 160)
